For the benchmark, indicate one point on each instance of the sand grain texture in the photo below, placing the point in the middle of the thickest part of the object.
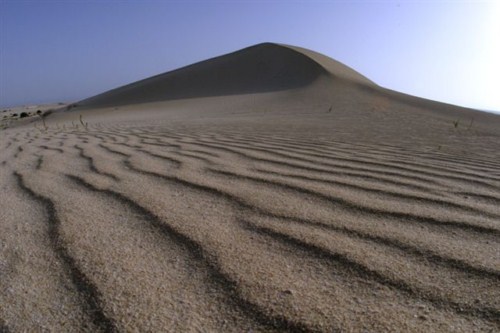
(303, 198)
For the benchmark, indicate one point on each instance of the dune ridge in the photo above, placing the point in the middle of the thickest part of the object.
(265, 67)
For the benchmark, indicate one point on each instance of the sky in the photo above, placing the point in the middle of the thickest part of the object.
(64, 51)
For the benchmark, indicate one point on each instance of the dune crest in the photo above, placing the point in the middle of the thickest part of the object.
(262, 68)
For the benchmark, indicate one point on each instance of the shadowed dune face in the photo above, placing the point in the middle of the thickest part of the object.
(261, 68)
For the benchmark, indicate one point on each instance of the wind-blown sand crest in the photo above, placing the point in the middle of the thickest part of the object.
(270, 189)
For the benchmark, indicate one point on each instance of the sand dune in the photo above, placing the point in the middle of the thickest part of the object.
(261, 68)
(326, 204)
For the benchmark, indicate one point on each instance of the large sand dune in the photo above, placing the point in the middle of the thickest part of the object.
(261, 68)
(297, 196)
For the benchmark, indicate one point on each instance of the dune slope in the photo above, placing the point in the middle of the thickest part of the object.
(323, 206)
(261, 68)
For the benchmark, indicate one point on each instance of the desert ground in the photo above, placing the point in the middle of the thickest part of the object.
(269, 190)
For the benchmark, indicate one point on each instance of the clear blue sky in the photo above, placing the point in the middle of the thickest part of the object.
(54, 51)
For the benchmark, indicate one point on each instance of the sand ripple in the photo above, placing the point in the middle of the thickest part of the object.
(130, 228)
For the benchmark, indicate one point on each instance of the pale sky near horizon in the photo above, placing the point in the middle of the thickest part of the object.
(53, 51)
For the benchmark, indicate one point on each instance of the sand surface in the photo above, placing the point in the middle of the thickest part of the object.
(326, 206)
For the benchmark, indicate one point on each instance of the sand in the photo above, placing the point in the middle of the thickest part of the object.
(295, 196)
